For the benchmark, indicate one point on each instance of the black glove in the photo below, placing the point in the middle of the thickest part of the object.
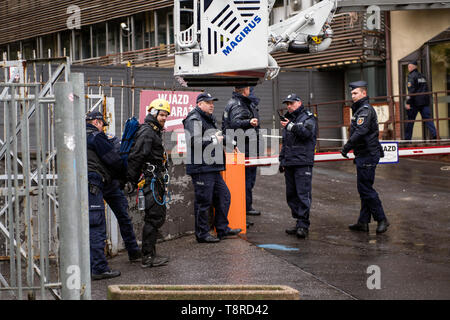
(345, 150)
(381, 152)
(281, 169)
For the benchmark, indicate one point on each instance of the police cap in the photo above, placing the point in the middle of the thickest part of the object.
(292, 97)
(96, 115)
(414, 62)
(205, 96)
(358, 84)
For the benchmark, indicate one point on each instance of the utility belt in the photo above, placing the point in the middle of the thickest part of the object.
(157, 175)
(154, 171)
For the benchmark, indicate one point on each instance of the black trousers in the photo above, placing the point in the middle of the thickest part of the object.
(370, 202)
(250, 178)
(298, 193)
(155, 216)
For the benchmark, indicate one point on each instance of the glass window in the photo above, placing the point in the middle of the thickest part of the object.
(171, 32)
(86, 44)
(65, 43)
(149, 39)
(76, 45)
(162, 26)
(3, 49)
(125, 33)
(28, 46)
(14, 48)
(139, 28)
(49, 42)
(440, 74)
(113, 37)
(99, 39)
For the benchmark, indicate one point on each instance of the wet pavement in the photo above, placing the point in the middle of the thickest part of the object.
(413, 256)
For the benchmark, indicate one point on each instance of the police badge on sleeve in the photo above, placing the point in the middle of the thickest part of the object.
(360, 121)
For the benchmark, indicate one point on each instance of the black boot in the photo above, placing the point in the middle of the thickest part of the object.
(134, 256)
(106, 275)
(149, 261)
(382, 226)
(253, 212)
(302, 233)
(292, 231)
(359, 227)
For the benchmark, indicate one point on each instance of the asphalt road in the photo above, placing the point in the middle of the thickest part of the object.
(412, 257)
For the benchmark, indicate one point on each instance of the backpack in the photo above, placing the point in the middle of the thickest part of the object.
(129, 133)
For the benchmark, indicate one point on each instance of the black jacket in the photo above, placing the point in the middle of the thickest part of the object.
(299, 139)
(147, 147)
(199, 128)
(102, 156)
(237, 115)
(363, 130)
(417, 83)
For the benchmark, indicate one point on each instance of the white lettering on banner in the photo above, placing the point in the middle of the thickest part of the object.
(174, 98)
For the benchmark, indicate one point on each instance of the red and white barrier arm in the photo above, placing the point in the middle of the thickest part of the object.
(336, 156)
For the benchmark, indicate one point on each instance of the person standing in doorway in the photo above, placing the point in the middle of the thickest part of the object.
(420, 103)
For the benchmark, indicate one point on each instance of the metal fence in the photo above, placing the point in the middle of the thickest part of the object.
(41, 247)
(390, 119)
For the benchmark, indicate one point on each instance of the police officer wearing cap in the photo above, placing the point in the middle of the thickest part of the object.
(419, 103)
(297, 160)
(148, 157)
(368, 151)
(209, 187)
(241, 112)
(105, 167)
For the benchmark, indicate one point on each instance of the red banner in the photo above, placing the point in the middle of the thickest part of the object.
(181, 103)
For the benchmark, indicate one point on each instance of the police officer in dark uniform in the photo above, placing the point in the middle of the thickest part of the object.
(209, 186)
(368, 151)
(241, 112)
(420, 103)
(116, 200)
(147, 156)
(297, 160)
(104, 166)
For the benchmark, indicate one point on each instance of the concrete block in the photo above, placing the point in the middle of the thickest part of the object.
(202, 292)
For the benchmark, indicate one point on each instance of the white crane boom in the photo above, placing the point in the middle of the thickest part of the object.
(228, 43)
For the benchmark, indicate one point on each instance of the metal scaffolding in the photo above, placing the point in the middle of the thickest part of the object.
(44, 226)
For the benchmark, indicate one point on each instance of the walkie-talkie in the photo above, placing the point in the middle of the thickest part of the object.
(282, 118)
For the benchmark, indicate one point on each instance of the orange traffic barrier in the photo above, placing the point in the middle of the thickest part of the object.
(234, 177)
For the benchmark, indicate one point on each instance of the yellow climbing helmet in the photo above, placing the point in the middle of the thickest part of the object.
(159, 104)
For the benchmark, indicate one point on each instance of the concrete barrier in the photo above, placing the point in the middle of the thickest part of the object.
(202, 292)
